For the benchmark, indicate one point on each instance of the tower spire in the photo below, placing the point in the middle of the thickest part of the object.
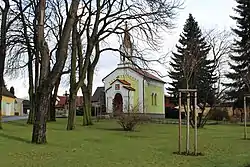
(127, 41)
(126, 47)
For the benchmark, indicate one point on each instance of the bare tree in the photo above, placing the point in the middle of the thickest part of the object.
(29, 32)
(105, 19)
(220, 42)
(48, 78)
(7, 19)
(3, 47)
(73, 84)
(24, 49)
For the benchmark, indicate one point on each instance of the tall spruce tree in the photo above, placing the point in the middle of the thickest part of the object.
(191, 67)
(240, 64)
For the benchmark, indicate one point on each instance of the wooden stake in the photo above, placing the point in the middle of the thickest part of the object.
(195, 125)
(245, 118)
(180, 122)
(188, 115)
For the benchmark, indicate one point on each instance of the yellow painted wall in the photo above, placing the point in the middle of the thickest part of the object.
(134, 84)
(19, 108)
(10, 101)
(159, 107)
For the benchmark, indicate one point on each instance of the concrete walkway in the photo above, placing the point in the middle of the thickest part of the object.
(13, 118)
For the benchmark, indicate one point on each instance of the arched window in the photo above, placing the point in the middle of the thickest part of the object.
(155, 98)
(152, 98)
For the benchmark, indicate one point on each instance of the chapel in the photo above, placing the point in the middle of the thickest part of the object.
(129, 88)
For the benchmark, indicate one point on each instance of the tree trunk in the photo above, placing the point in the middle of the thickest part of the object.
(33, 102)
(50, 99)
(73, 85)
(87, 90)
(2, 60)
(4, 28)
(72, 111)
(31, 91)
(87, 107)
(43, 91)
(1, 127)
(53, 101)
(33, 99)
(31, 116)
(30, 64)
(49, 111)
(39, 127)
(48, 79)
(52, 110)
(241, 115)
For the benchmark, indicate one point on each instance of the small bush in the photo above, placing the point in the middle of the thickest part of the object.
(219, 114)
(129, 121)
(233, 119)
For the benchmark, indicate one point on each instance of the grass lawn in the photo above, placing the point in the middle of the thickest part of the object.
(102, 145)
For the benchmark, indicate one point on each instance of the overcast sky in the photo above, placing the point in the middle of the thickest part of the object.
(208, 13)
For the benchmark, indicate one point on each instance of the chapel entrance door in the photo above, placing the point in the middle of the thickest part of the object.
(117, 104)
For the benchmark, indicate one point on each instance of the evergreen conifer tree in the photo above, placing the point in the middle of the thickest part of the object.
(240, 64)
(190, 65)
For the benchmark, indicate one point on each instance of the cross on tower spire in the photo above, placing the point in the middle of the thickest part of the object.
(127, 41)
(126, 47)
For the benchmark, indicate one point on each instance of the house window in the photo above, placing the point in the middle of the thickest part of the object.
(117, 86)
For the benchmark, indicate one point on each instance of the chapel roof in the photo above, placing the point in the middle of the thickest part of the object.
(63, 101)
(129, 88)
(98, 93)
(139, 71)
(147, 74)
(6, 92)
(121, 81)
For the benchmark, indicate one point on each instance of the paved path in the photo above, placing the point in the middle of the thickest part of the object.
(13, 118)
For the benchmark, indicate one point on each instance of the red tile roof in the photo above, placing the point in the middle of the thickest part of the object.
(129, 88)
(62, 101)
(121, 81)
(124, 82)
(147, 74)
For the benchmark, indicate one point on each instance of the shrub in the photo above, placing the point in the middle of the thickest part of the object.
(129, 121)
(132, 118)
(219, 114)
(233, 119)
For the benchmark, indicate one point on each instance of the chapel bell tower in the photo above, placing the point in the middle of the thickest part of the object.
(126, 48)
